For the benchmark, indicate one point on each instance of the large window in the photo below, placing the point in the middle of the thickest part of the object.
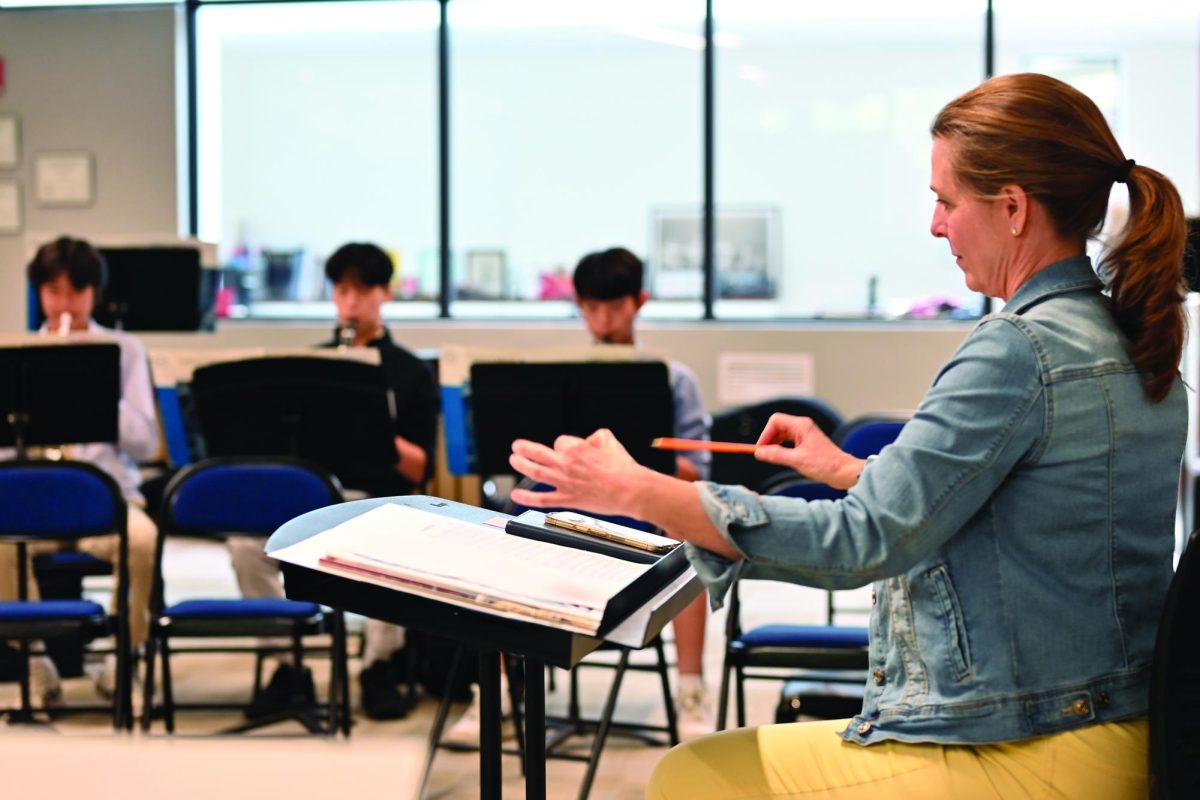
(823, 114)
(571, 123)
(575, 126)
(318, 126)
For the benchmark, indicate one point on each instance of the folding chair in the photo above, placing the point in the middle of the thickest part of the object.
(57, 500)
(251, 496)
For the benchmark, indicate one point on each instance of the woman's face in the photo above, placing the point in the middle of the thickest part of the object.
(977, 230)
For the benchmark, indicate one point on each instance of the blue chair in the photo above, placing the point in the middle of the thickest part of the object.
(825, 654)
(867, 436)
(251, 496)
(816, 653)
(64, 500)
(745, 423)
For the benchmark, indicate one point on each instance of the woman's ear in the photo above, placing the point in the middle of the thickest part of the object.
(1015, 204)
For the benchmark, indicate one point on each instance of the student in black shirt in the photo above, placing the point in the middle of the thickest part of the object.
(361, 275)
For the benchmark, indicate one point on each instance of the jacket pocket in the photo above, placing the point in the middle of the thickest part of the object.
(953, 627)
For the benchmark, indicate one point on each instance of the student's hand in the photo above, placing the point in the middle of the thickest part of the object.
(813, 455)
(595, 474)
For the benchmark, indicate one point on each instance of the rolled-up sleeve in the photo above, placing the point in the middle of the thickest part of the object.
(983, 414)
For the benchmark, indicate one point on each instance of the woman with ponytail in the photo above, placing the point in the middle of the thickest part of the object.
(1020, 530)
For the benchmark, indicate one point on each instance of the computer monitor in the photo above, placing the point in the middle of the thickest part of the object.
(150, 289)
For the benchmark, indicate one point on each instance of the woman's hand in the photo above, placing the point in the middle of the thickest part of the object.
(595, 474)
(813, 454)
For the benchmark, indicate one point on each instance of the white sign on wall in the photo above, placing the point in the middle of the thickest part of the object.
(752, 377)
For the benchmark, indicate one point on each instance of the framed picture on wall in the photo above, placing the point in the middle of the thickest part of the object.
(10, 141)
(10, 207)
(64, 179)
(747, 253)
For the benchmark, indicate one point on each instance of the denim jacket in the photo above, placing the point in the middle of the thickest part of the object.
(1019, 532)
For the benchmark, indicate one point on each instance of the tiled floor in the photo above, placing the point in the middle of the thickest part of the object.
(378, 760)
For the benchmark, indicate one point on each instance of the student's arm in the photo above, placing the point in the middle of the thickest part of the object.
(416, 424)
(137, 419)
(413, 461)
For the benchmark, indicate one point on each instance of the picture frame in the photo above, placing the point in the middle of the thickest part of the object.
(10, 140)
(64, 179)
(747, 255)
(10, 206)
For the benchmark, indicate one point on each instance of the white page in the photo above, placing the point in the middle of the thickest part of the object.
(471, 554)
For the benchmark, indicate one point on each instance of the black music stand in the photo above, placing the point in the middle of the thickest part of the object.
(58, 394)
(338, 413)
(539, 645)
(541, 401)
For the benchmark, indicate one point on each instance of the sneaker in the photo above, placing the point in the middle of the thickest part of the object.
(45, 687)
(381, 699)
(466, 730)
(104, 677)
(282, 692)
(693, 714)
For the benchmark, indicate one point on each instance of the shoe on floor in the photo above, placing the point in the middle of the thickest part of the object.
(288, 687)
(104, 676)
(45, 687)
(381, 699)
(466, 730)
(693, 708)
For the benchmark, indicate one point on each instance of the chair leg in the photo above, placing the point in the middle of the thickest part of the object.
(605, 723)
(668, 700)
(741, 697)
(148, 685)
(723, 697)
(25, 712)
(168, 691)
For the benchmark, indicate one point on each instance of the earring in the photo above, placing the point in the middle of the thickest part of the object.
(1014, 231)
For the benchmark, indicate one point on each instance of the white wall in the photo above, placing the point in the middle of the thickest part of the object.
(100, 81)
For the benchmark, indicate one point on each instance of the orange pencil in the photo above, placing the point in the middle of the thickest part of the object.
(667, 443)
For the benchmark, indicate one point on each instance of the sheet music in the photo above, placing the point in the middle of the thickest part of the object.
(428, 551)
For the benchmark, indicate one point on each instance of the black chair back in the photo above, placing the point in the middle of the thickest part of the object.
(1175, 686)
(745, 423)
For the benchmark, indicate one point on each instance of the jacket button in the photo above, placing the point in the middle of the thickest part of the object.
(873, 597)
(1080, 707)
(864, 729)
(878, 675)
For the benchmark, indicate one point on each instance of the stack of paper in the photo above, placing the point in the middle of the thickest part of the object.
(470, 565)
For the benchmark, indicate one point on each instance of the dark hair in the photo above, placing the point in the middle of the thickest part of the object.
(608, 275)
(1051, 140)
(74, 258)
(360, 261)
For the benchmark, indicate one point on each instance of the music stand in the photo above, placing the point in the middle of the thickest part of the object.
(540, 401)
(59, 394)
(338, 413)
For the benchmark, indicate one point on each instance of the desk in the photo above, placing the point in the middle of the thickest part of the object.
(539, 645)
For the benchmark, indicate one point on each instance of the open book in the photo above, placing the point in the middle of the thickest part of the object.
(477, 566)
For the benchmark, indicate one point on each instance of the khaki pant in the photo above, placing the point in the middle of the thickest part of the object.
(143, 535)
(809, 760)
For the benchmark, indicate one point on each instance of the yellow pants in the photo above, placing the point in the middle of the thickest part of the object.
(809, 760)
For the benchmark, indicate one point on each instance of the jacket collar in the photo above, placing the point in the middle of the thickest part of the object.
(1069, 275)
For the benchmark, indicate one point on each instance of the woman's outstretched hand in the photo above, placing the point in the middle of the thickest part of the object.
(595, 474)
(813, 455)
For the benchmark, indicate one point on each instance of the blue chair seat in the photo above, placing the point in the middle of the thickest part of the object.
(242, 608)
(11, 611)
(805, 636)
